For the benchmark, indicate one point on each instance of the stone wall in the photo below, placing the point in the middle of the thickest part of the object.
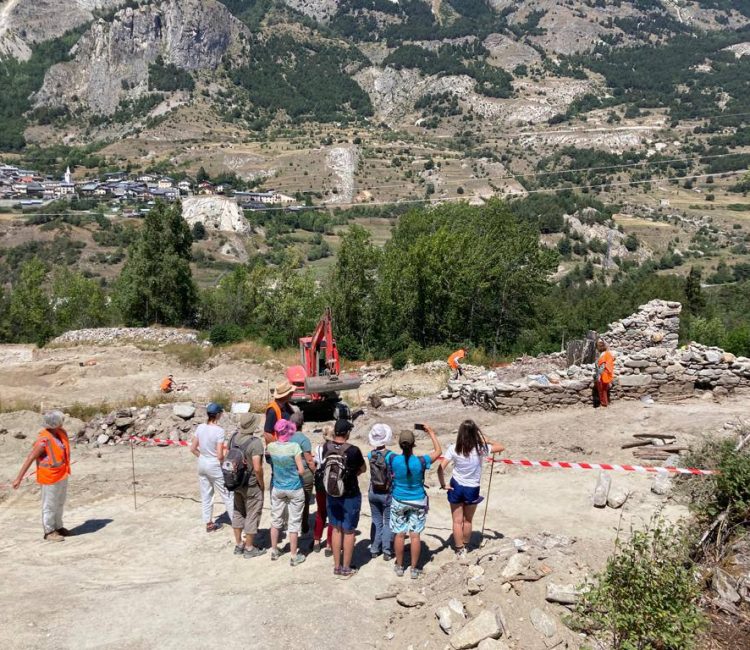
(123, 335)
(647, 362)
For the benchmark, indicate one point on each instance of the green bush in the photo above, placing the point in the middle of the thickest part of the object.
(647, 595)
(223, 334)
(399, 360)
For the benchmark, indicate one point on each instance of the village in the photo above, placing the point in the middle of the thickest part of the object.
(26, 188)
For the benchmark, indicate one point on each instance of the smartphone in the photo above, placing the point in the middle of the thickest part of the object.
(419, 427)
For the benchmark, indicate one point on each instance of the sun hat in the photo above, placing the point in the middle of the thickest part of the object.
(214, 409)
(406, 437)
(380, 434)
(342, 427)
(53, 419)
(250, 423)
(283, 389)
(284, 429)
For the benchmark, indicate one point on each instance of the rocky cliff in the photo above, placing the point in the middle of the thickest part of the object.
(111, 60)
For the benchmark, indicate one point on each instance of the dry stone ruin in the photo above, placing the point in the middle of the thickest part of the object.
(648, 362)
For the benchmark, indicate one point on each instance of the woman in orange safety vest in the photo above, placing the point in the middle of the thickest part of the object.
(454, 361)
(605, 372)
(51, 451)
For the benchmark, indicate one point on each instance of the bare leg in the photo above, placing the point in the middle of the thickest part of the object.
(348, 549)
(237, 536)
(249, 539)
(468, 516)
(274, 537)
(336, 541)
(457, 515)
(398, 547)
(293, 543)
(415, 548)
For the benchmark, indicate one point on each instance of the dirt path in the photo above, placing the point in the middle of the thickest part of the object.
(152, 578)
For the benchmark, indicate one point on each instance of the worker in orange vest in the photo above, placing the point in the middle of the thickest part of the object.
(51, 451)
(605, 372)
(454, 361)
(280, 408)
(167, 384)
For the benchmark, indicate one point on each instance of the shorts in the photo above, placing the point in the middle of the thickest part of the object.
(248, 505)
(294, 500)
(407, 517)
(343, 512)
(463, 494)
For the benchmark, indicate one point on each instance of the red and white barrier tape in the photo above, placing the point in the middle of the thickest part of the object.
(605, 466)
(161, 441)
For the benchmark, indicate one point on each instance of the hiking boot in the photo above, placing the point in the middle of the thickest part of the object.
(297, 559)
(275, 554)
(54, 536)
(347, 573)
(63, 531)
(254, 551)
(398, 570)
(239, 549)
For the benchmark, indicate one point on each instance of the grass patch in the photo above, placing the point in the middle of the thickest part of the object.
(739, 207)
(18, 405)
(189, 354)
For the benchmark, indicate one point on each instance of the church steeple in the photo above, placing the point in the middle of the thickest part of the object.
(67, 178)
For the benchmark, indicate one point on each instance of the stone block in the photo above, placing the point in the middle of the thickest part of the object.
(601, 491)
(484, 626)
(543, 622)
(635, 381)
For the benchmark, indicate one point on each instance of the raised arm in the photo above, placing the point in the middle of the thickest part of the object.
(436, 448)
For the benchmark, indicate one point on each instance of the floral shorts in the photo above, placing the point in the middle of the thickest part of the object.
(407, 517)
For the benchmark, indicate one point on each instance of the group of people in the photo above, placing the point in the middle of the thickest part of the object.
(396, 493)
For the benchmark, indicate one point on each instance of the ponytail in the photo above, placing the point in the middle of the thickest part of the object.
(408, 450)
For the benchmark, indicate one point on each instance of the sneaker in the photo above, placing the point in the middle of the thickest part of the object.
(254, 551)
(297, 559)
(63, 531)
(316, 546)
(328, 552)
(461, 553)
(374, 556)
(337, 571)
(239, 549)
(347, 573)
(275, 554)
(416, 574)
(54, 536)
(387, 557)
(398, 570)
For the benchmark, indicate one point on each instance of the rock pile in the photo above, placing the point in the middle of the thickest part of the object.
(165, 421)
(647, 362)
(123, 335)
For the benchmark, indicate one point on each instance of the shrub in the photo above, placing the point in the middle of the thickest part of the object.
(399, 360)
(647, 595)
(223, 334)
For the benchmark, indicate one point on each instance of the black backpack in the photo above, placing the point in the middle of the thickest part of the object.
(335, 469)
(234, 468)
(381, 474)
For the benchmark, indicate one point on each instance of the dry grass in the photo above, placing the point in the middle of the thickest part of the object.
(189, 354)
(19, 405)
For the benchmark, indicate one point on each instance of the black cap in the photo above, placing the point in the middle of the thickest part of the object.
(342, 427)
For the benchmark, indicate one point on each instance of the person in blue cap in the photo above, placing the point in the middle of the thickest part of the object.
(209, 447)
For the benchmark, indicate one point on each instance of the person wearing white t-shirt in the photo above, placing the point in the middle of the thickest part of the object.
(467, 455)
(209, 448)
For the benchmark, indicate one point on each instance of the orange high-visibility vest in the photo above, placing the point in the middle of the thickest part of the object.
(454, 359)
(54, 465)
(166, 384)
(606, 366)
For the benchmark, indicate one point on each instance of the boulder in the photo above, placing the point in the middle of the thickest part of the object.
(493, 644)
(185, 411)
(661, 484)
(103, 439)
(410, 599)
(723, 585)
(712, 356)
(484, 626)
(518, 564)
(563, 594)
(445, 618)
(601, 491)
(617, 497)
(543, 622)
(124, 422)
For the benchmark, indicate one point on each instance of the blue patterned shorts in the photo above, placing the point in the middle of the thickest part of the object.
(407, 517)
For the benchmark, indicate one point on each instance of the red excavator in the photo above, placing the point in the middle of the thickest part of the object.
(318, 380)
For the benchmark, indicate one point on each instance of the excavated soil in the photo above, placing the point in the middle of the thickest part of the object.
(152, 578)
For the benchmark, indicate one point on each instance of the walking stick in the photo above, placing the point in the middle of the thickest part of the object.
(487, 503)
(132, 461)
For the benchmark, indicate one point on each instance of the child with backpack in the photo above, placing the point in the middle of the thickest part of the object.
(409, 501)
(321, 498)
(379, 494)
(342, 465)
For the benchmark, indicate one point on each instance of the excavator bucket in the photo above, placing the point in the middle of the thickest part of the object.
(332, 383)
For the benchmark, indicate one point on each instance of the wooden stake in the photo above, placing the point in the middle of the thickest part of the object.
(132, 462)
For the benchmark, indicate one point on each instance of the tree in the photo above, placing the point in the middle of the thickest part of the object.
(631, 243)
(693, 292)
(156, 284)
(353, 292)
(202, 175)
(199, 231)
(458, 272)
(78, 302)
(30, 313)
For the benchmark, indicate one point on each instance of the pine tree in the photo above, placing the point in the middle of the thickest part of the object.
(30, 312)
(156, 284)
(696, 302)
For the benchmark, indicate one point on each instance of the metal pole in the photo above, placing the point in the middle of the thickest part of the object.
(487, 502)
(132, 462)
